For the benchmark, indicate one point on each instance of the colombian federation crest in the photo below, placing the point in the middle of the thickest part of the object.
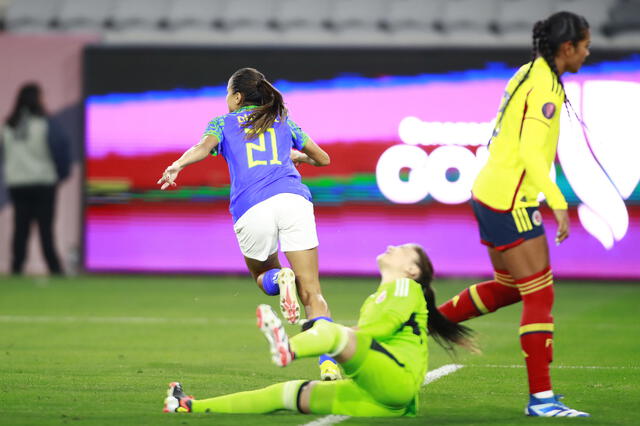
(536, 218)
(548, 109)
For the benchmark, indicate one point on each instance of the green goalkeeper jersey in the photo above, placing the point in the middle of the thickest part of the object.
(396, 317)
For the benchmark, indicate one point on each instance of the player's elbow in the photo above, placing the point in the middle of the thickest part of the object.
(324, 161)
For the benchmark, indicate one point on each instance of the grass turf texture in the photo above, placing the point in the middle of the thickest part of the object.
(101, 351)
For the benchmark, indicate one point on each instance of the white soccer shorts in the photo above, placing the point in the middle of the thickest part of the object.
(285, 217)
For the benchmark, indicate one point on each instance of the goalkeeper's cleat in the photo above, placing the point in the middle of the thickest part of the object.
(289, 305)
(329, 370)
(550, 407)
(177, 401)
(273, 330)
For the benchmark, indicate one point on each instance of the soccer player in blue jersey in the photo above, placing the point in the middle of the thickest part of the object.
(269, 203)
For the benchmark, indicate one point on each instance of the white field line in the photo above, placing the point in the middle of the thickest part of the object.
(440, 372)
(431, 377)
(327, 420)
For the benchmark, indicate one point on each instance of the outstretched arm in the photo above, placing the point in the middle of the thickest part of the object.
(196, 153)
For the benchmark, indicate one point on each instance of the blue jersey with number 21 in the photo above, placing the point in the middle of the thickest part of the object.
(260, 167)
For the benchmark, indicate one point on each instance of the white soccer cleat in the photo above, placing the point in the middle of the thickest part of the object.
(273, 330)
(289, 305)
(550, 407)
(177, 401)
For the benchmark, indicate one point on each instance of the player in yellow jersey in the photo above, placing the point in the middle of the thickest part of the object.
(505, 202)
(385, 357)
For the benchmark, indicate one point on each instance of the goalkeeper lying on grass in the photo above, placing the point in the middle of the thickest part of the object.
(384, 357)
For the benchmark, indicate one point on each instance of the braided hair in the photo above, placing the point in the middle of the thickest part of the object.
(559, 28)
(548, 35)
(256, 90)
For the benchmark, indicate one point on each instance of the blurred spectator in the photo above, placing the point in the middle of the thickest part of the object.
(36, 158)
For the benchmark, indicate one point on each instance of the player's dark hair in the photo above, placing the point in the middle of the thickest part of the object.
(548, 35)
(28, 102)
(256, 90)
(443, 331)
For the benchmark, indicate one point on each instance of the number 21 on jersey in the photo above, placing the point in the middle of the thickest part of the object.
(262, 147)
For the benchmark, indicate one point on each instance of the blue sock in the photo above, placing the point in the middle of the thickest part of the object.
(325, 357)
(270, 282)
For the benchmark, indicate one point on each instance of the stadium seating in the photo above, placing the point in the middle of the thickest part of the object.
(357, 15)
(625, 18)
(139, 14)
(469, 21)
(84, 15)
(413, 15)
(195, 14)
(470, 16)
(31, 15)
(614, 23)
(596, 11)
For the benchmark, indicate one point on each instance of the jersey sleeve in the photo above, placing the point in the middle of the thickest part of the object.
(397, 305)
(542, 106)
(299, 137)
(215, 128)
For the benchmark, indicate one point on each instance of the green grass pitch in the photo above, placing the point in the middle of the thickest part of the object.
(100, 350)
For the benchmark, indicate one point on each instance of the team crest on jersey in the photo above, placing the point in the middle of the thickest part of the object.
(381, 296)
(548, 109)
(536, 218)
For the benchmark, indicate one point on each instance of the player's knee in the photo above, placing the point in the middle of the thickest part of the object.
(304, 397)
(539, 304)
(308, 280)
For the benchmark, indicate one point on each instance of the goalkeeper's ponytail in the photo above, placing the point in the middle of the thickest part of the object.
(443, 331)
